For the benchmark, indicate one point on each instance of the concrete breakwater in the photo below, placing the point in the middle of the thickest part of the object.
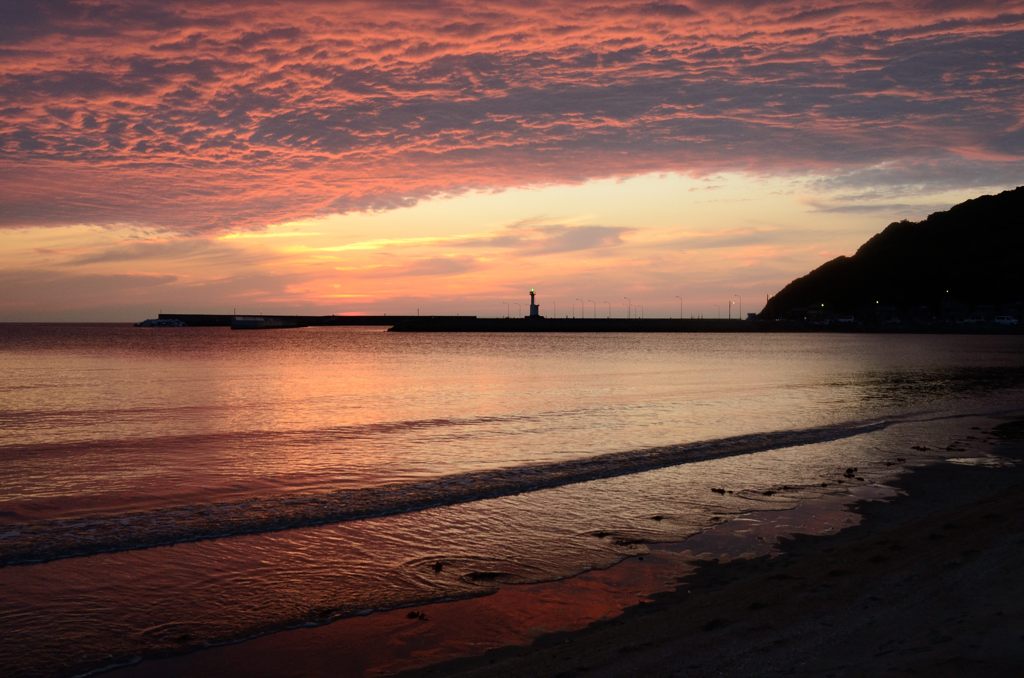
(279, 321)
(452, 323)
(471, 324)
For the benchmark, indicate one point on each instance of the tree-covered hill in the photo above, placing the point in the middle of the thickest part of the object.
(968, 256)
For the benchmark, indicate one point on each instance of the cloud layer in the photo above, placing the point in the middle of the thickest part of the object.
(199, 117)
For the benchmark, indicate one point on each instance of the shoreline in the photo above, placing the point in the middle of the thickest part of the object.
(928, 582)
(646, 612)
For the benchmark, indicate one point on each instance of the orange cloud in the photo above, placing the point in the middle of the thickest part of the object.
(199, 118)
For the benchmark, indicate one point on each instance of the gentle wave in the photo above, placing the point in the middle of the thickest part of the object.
(255, 438)
(55, 539)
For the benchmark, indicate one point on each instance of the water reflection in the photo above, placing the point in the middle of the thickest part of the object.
(101, 421)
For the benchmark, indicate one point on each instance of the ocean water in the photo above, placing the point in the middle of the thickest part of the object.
(164, 490)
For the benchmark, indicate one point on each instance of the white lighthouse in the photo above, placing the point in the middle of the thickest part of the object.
(534, 307)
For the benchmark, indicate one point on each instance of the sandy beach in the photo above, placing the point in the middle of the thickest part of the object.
(924, 582)
(927, 584)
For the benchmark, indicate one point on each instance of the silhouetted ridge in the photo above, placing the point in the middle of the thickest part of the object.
(966, 260)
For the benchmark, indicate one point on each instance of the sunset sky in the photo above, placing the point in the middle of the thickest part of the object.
(389, 157)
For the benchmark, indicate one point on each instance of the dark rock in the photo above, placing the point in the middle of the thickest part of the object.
(485, 576)
(716, 623)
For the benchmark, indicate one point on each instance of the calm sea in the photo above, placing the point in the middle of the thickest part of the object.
(167, 489)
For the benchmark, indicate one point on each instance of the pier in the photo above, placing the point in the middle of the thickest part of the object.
(535, 324)
(541, 324)
(285, 321)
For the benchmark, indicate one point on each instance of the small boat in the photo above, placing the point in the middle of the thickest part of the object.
(161, 322)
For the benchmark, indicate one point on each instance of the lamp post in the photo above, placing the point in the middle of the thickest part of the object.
(609, 307)
(680, 306)
(629, 308)
(582, 312)
(739, 314)
(508, 311)
(594, 304)
(729, 316)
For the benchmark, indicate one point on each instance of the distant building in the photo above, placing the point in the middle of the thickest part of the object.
(534, 306)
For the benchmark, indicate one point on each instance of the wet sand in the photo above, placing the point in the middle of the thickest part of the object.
(928, 582)
(931, 583)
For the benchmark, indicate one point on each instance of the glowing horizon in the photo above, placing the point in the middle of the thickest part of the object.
(383, 158)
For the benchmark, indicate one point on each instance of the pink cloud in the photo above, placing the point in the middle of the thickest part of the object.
(198, 118)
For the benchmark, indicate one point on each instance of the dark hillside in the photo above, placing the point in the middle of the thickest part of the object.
(967, 258)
